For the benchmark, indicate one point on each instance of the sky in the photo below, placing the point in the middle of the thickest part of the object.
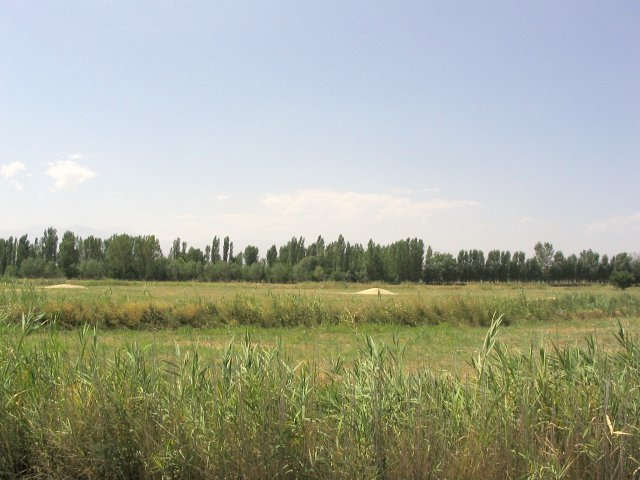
(469, 124)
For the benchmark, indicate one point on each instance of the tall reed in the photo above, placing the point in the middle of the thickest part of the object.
(72, 409)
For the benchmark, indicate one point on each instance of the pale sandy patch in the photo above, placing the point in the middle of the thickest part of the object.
(64, 285)
(375, 291)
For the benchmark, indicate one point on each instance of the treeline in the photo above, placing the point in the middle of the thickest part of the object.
(130, 257)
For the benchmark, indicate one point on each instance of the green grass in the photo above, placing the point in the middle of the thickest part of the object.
(439, 347)
(136, 290)
(311, 382)
(139, 305)
(531, 403)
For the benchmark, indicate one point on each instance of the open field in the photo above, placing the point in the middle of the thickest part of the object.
(136, 290)
(440, 327)
(442, 347)
(129, 405)
(421, 384)
(139, 305)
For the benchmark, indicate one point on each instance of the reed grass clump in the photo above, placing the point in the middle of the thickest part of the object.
(73, 409)
(284, 309)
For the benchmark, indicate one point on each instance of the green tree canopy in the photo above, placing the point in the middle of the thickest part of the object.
(69, 254)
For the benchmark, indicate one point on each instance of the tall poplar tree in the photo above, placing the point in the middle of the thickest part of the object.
(49, 244)
(225, 249)
(215, 250)
(69, 254)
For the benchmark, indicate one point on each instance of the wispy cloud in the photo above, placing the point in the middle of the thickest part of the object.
(68, 174)
(222, 197)
(190, 218)
(617, 224)
(347, 205)
(401, 191)
(12, 170)
(309, 212)
(529, 220)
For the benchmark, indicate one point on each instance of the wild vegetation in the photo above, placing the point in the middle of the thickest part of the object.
(73, 409)
(94, 385)
(140, 257)
(138, 305)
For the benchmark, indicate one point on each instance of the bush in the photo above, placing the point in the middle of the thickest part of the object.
(11, 271)
(254, 273)
(93, 269)
(222, 271)
(622, 279)
(279, 273)
(32, 268)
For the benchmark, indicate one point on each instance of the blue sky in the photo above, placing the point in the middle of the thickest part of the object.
(468, 124)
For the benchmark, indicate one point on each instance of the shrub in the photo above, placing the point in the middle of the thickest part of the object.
(32, 267)
(622, 279)
(11, 271)
(93, 269)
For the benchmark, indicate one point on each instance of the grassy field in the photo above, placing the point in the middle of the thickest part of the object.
(77, 407)
(161, 305)
(135, 290)
(104, 382)
(439, 347)
(440, 327)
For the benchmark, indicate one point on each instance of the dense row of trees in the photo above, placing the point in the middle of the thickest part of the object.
(140, 257)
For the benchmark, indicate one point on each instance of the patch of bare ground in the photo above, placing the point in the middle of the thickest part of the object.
(63, 286)
(375, 291)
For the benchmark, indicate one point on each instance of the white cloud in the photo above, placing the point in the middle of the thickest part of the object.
(221, 197)
(401, 191)
(528, 220)
(16, 184)
(617, 224)
(349, 205)
(309, 212)
(190, 218)
(69, 174)
(10, 171)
